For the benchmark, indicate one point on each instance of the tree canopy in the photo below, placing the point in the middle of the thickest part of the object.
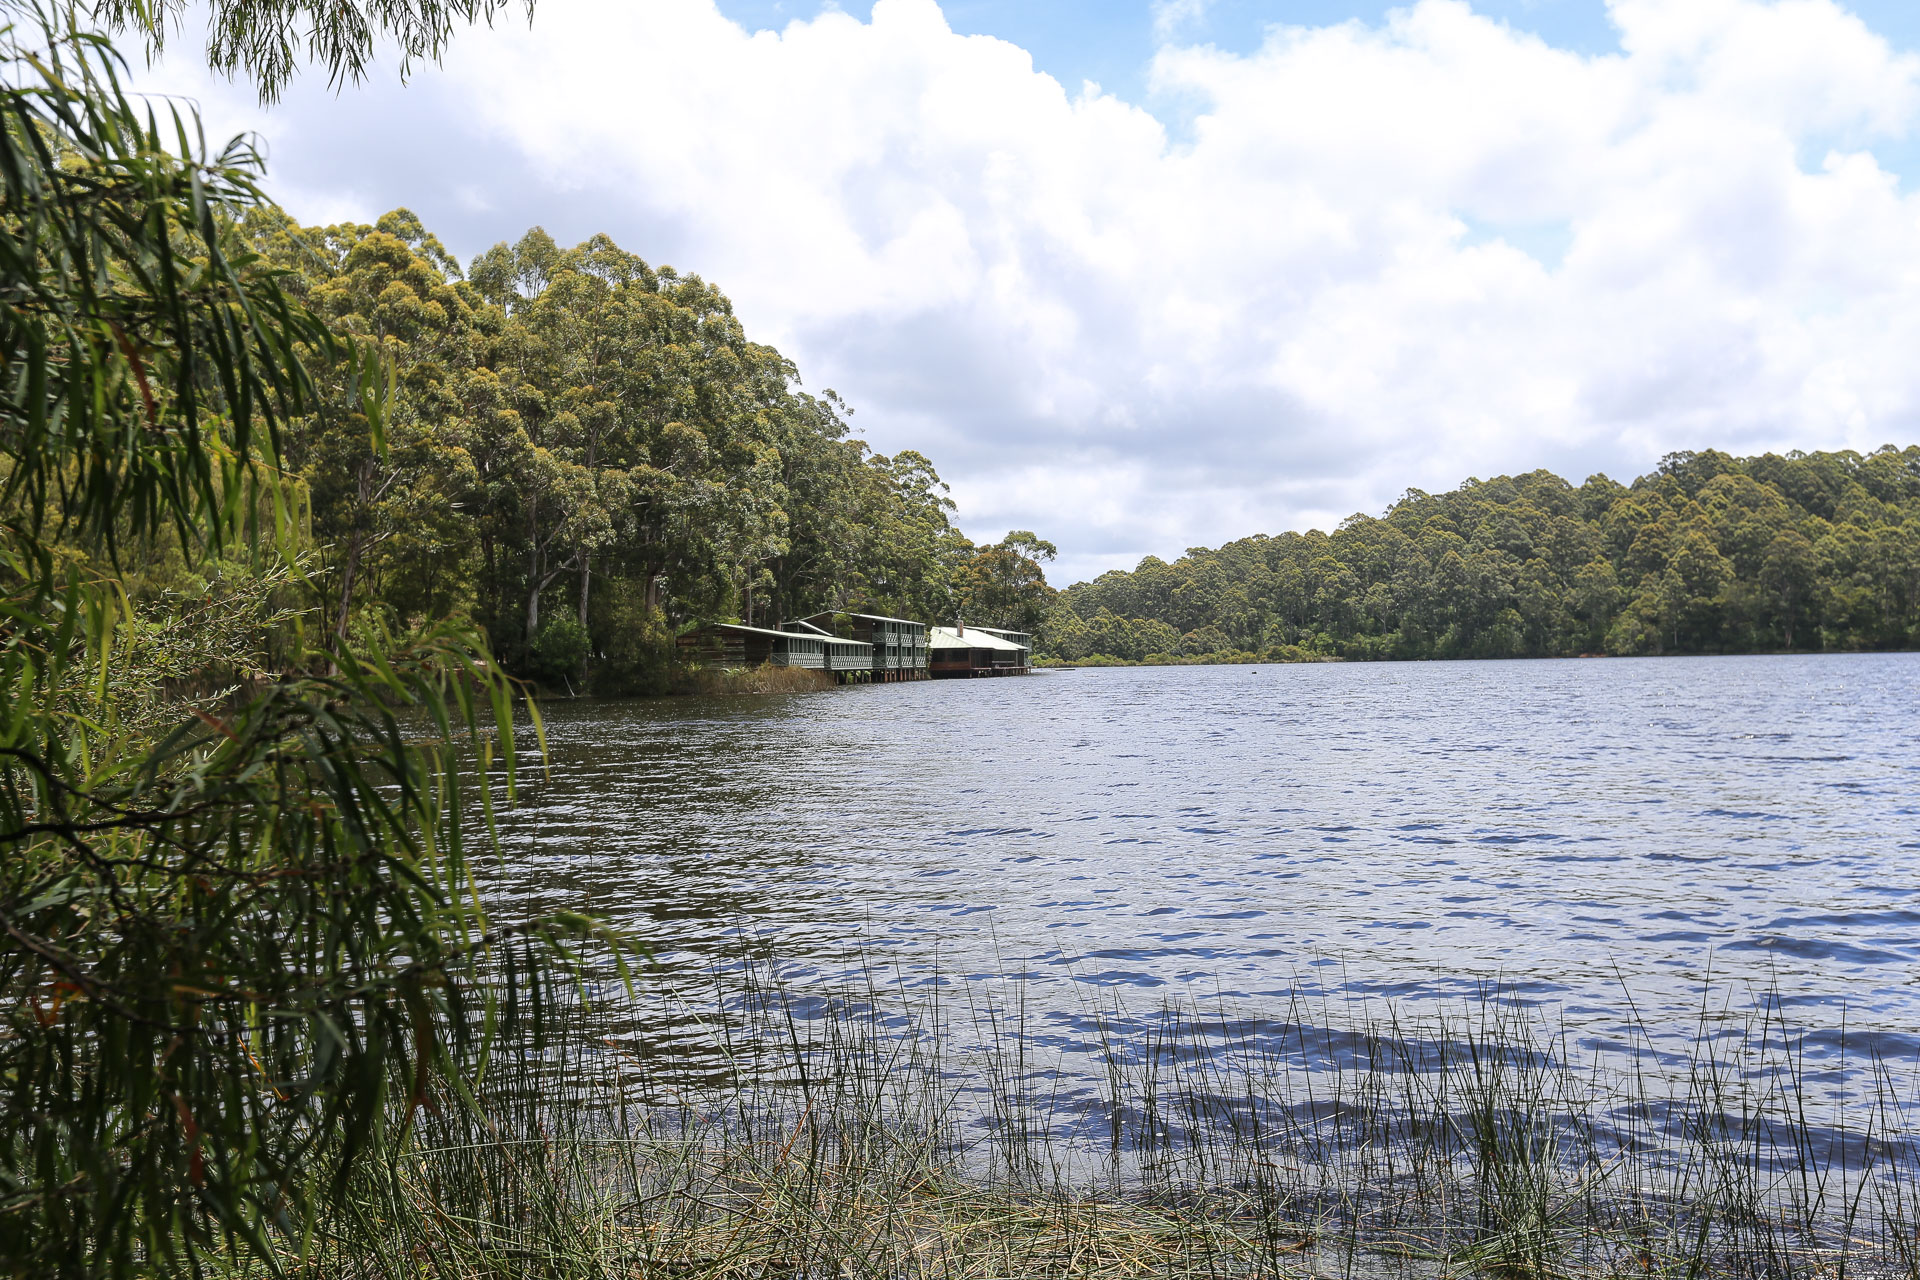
(241, 948)
(264, 41)
(1708, 554)
(582, 452)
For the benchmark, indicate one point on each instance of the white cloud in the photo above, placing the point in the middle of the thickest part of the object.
(1321, 295)
(1170, 17)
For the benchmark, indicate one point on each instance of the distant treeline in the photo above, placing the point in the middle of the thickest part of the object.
(1709, 554)
(582, 453)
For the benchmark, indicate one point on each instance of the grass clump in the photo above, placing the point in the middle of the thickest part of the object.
(765, 678)
(755, 1132)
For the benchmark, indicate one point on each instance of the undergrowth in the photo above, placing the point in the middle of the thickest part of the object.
(762, 679)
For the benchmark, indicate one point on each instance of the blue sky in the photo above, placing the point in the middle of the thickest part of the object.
(1111, 41)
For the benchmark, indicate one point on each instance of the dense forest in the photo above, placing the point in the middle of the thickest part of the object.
(581, 453)
(1709, 554)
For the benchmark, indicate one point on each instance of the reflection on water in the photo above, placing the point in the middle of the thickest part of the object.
(1579, 832)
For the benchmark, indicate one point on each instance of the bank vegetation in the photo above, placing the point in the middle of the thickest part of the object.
(1802, 552)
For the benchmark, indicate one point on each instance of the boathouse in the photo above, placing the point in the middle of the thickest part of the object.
(1022, 638)
(900, 647)
(729, 644)
(964, 651)
(851, 661)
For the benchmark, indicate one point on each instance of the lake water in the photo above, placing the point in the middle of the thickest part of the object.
(1605, 838)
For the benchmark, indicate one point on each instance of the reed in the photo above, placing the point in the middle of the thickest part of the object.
(748, 1130)
(762, 679)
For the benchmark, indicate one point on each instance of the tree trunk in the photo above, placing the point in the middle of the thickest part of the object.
(356, 546)
(488, 597)
(348, 572)
(533, 592)
(533, 570)
(586, 579)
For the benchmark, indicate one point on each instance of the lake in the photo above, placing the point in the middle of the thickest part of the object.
(1611, 840)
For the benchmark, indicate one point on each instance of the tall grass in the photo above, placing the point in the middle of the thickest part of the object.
(752, 1131)
(765, 678)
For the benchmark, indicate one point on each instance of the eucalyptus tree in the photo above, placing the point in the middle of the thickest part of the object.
(266, 41)
(909, 560)
(626, 434)
(820, 470)
(1004, 585)
(239, 954)
(388, 511)
(643, 408)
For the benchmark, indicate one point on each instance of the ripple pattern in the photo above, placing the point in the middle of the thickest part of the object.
(1585, 833)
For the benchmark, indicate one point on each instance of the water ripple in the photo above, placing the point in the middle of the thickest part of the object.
(1600, 829)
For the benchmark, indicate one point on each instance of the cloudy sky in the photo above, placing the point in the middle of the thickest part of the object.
(1146, 274)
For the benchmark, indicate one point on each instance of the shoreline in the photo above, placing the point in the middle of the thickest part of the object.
(871, 1131)
(754, 680)
(1272, 659)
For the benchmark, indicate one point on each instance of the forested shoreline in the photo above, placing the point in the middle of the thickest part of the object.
(1707, 554)
(581, 454)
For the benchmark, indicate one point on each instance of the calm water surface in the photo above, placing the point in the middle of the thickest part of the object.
(1599, 836)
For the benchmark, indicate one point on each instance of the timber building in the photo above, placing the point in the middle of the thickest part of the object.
(729, 644)
(861, 647)
(964, 651)
(899, 647)
(1022, 638)
(851, 661)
